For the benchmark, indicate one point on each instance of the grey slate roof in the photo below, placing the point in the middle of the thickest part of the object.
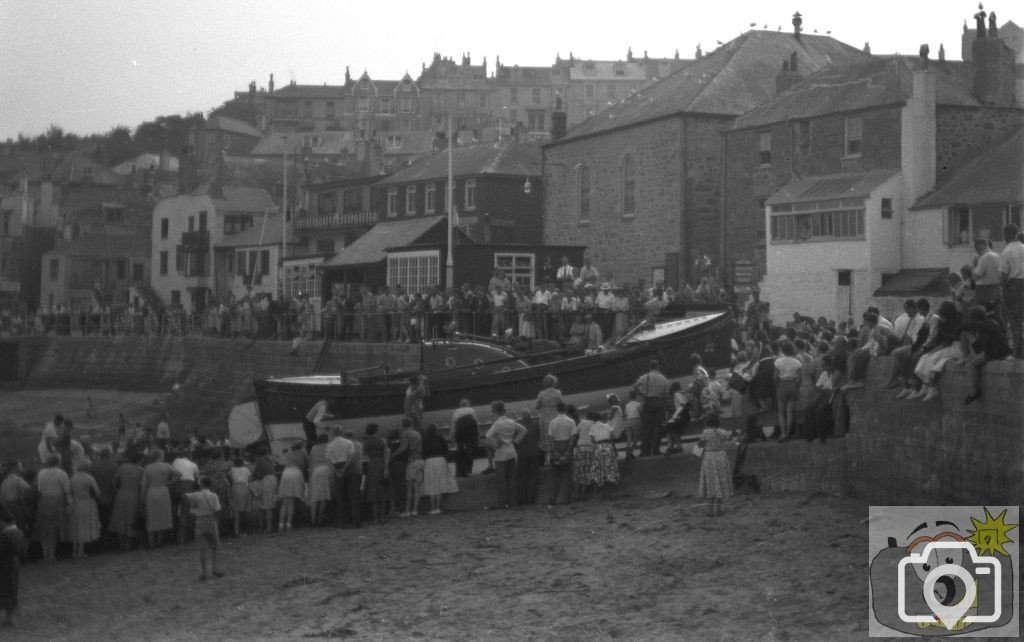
(369, 248)
(822, 188)
(995, 175)
(877, 82)
(506, 159)
(730, 81)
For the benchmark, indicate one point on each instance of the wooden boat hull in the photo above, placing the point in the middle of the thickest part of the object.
(584, 379)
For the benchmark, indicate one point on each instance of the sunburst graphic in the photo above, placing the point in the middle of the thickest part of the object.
(990, 535)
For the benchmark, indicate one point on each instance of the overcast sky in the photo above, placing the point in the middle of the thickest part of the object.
(92, 64)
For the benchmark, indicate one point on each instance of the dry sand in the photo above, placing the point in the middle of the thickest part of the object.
(784, 567)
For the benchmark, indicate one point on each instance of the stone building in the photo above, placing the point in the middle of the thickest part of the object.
(640, 183)
(821, 180)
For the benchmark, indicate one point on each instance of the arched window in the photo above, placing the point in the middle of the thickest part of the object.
(628, 186)
(584, 189)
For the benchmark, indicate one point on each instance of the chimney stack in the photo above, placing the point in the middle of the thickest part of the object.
(789, 76)
(798, 22)
(994, 68)
(558, 121)
(270, 87)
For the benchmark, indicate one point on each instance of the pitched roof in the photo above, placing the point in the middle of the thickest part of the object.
(309, 91)
(232, 125)
(143, 162)
(244, 199)
(731, 80)
(369, 248)
(265, 230)
(993, 176)
(823, 188)
(505, 158)
(76, 165)
(884, 80)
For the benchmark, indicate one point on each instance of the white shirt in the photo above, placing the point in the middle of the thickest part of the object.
(339, 450)
(188, 470)
(600, 431)
(1011, 262)
(566, 273)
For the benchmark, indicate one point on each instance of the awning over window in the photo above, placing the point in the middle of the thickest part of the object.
(908, 283)
(370, 248)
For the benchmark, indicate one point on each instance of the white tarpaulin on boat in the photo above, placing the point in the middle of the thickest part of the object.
(244, 425)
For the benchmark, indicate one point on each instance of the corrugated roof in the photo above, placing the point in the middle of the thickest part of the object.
(232, 125)
(731, 80)
(506, 158)
(921, 282)
(817, 188)
(995, 175)
(863, 85)
(369, 248)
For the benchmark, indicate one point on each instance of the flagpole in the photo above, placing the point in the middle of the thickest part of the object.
(450, 261)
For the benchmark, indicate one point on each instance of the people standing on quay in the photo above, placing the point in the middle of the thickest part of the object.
(53, 488)
(715, 483)
(292, 486)
(466, 431)
(652, 388)
(156, 495)
(988, 290)
(411, 448)
(547, 403)
(502, 437)
(561, 431)
(84, 516)
(1011, 267)
(377, 458)
(205, 507)
(437, 478)
(12, 550)
(127, 501)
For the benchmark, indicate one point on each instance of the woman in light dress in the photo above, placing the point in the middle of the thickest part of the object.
(84, 515)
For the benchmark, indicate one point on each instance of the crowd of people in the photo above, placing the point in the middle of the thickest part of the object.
(575, 307)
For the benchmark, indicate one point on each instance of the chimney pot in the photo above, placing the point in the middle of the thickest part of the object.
(798, 22)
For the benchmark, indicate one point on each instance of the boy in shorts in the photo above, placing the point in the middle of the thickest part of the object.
(205, 508)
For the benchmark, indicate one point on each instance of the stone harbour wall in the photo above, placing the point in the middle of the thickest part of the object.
(202, 377)
(940, 452)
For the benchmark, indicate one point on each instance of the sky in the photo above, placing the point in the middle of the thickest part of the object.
(91, 65)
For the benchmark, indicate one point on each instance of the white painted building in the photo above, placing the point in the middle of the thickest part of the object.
(186, 229)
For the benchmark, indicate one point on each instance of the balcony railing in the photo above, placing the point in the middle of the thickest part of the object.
(335, 220)
(195, 240)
